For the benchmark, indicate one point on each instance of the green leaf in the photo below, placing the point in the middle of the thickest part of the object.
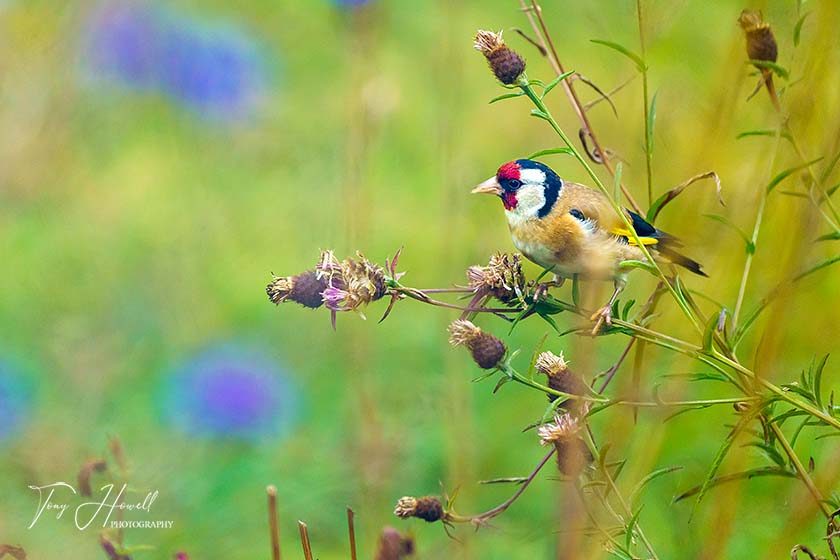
(818, 380)
(772, 66)
(772, 133)
(667, 197)
(709, 332)
(770, 451)
(640, 64)
(721, 454)
(651, 121)
(745, 475)
(506, 96)
(833, 236)
(638, 264)
(556, 81)
(551, 151)
(548, 319)
(539, 114)
(639, 488)
(787, 173)
(750, 247)
(797, 30)
(815, 268)
(628, 537)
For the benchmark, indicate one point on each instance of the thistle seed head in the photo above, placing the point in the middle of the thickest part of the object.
(487, 350)
(564, 427)
(573, 456)
(428, 508)
(506, 64)
(305, 289)
(502, 278)
(551, 364)
(761, 44)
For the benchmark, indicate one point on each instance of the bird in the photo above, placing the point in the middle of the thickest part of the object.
(571, 229)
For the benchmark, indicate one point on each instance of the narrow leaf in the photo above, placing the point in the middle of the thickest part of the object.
(551, 151)
(556, 81)
(667, 197)
(815, 268)
(650, 123)
(617, 181)
(772, 66)
(833, 236)
(721, 454)
(768, 132)
(745, 475)
(639, 488)
(787, 173)
(797, 30)
(638, 264)
(506, 96)
(640, 64)
(727, 222)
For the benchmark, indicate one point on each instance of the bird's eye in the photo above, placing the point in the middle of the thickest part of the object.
(514, 184)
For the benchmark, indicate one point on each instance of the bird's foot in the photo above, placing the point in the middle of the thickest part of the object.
(542, 288)
(601, 317)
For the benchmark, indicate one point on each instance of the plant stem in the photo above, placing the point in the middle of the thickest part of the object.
(351, 529)
(304, 540)
(482, 518)
(273, 524)
(762, 201)
(646, 100)
(800, 470)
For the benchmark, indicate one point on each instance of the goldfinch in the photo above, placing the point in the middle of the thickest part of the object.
(571, 229)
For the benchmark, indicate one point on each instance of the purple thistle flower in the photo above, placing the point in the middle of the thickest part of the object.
(335, 299)
(216, 70)
(15, 397)
(229, 392)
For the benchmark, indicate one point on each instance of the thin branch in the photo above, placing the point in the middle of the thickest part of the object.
(534, 14)
(273, 524)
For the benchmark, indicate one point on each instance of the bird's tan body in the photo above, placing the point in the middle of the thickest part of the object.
(569, 245)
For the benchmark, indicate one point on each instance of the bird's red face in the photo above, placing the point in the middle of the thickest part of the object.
(504, 184)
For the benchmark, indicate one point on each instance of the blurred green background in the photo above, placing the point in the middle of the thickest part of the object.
(158, 162)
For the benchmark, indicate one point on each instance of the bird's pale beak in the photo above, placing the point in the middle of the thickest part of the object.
(490, 186)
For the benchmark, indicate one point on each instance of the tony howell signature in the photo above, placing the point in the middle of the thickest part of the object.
(86, 513)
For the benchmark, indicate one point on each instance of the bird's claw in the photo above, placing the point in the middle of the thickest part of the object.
(601, 317)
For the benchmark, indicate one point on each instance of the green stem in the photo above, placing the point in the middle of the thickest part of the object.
(645, 100)
(800, 469)
(762, 202)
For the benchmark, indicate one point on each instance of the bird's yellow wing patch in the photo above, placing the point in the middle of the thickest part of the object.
(624, 232)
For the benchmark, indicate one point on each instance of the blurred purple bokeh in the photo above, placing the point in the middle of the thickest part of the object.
(214, 68)
(229, 392)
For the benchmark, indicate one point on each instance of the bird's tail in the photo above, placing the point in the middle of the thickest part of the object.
(665, 247)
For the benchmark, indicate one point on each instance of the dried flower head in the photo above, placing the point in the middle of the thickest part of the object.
(305, 289)
(428, 508)
(15, 552)
(761, 45)
(506, 64)
(393, 545)
(365, 281)
(564, 427)
(562, 379)
(573, 455)
(86, 472)
(486, 349)
(551, 364)
(502, 278)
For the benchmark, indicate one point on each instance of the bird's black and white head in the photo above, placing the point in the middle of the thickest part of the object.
(528, 189)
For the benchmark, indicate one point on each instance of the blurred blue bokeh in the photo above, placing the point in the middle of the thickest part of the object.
(15, 399)
(229, 392)
(215, 68)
